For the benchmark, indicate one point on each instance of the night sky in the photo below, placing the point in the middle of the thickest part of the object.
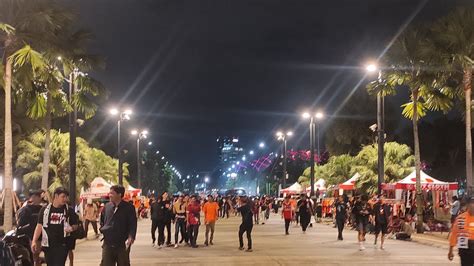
(193, 70)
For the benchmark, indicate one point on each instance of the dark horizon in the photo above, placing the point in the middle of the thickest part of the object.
(196, 70)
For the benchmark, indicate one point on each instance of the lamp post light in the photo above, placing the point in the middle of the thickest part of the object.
(283, 137)
(380, 129)
(122, 116)
(312, 130)
(140, 135)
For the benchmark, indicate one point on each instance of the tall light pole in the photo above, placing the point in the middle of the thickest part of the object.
(312, 138)
(283, 137)
(72, 138)
(140, 135)
(122, 116)
(380, 130)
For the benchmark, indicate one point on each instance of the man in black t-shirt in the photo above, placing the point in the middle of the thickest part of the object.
(340, 216)
(54, 226)
(362, 212)
(245, 210)
(381, 212)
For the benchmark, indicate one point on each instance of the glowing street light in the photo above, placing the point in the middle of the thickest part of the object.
(371, 68)
(261, 145)
(283, 137)
(312, 131)
(142, 134)
(122, 116)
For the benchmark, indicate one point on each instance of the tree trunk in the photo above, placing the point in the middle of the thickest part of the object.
(8, 184)
(419, 194)
(467, 79)
(47, 141)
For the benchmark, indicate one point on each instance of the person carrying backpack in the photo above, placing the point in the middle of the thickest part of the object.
(55, 224)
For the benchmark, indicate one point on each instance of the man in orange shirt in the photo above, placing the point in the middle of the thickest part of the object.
(211, 212)
(462, 235)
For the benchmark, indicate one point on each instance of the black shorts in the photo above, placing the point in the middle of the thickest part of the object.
(362, 226)
(381, 227)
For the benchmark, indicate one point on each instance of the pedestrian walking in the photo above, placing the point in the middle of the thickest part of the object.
(287, 213)
(455, 207)
(244, 208)
(55, 224)
(155, 216)
(381, 213)
(227, 206)
(306, 211)
(256, 210)
(179, 210)
(118, 224)
(340, 216)
(362, 211)
(211, 211)
(91, 214)
(193, 220)
(28, 219)
(462, 235)
(168, 217)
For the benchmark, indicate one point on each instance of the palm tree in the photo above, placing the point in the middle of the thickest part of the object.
(398, 161)
(411, 69)
(454, 36)
(30, 22)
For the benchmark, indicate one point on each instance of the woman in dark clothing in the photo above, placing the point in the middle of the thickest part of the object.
(305, 211)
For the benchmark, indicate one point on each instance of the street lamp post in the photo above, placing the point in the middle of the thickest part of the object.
(140, 135)
(72, 138)
(125, 115)
(283, 137)
(312, 138)
(380, 130)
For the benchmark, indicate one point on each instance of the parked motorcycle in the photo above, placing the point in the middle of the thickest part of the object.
(18, 246)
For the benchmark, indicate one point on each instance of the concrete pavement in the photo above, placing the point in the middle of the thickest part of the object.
(272, 247)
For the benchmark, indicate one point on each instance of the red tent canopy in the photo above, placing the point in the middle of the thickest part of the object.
(427, 183)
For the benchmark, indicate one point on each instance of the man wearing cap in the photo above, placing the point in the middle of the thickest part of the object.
(462, 235)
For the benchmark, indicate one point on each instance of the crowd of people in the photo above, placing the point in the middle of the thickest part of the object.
(53, 227)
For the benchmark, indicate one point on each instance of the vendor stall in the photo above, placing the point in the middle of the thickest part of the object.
(436, 193)
(99, 188)
(291, 190)
(319, 186)
(349, 185)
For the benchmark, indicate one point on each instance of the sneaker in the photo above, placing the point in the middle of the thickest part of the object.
(286, 233)
(210, 243)
(175, 245)
(153, 245)
(181, 241)
(195, 246)
(206, 244)
(361, 247)
(160, 246)
(248, 250)
(382, 247)
(241, 248)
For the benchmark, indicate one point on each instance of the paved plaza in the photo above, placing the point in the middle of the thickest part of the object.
(272, 247)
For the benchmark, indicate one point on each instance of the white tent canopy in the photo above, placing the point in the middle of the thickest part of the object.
(320, 185)
(99, 188)
(295, 188)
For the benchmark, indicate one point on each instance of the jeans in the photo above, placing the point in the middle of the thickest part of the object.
(210, 227)
(94, 226)
(193, 231)
(340, 226)
(245, 228)
(287, 225)
(56, 255)
(161, 232)
(180, 226)
(154, 226)
(112, 256)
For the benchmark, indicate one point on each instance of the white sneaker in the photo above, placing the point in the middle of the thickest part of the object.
(382, 247)
(175, 245)
(153, 245)
(160, 246)
(361, 247)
